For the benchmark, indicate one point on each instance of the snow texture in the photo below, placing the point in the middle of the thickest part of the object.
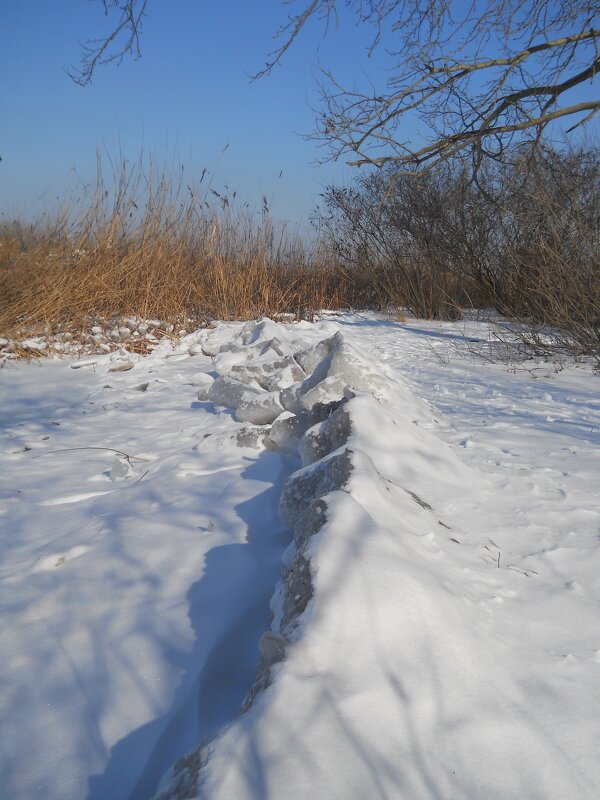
(411, 561)
(384, 677)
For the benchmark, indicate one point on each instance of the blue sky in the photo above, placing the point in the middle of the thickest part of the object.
(189, 97)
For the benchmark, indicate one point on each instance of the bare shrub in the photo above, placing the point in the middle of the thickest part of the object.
(548, 273)
(414, 238)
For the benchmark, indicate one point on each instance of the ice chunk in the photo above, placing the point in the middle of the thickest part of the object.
(310, 483)
(286, 375)
(264, 329)
(286, 431)
(120, 469)
(250, 374)
(290, 398)
(288, 428)
(216, 338)
(271, 375)
(120, 363)
(249, 437)
(298, 589)
(308, 359)
(35, 343)
(250, 405)
(228, 357)
(259, 409)
(203, 382)
(272, 647)
(343, 368)
(326, 436)
(229, 392)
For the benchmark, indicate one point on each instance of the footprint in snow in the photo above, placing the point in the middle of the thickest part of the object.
(191, 471)
(71, 498)
(59, 559)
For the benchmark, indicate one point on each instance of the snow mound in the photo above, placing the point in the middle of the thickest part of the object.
(381, 676)
(259, 380)
(334, 419)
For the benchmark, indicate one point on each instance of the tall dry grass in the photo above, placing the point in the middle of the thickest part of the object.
(151, 246)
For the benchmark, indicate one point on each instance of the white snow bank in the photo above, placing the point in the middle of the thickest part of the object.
(132, 583)
(435, 630)
(386, 672)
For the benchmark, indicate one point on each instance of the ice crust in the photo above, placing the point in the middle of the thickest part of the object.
(316, 417)
(434, 597)
(378, 677)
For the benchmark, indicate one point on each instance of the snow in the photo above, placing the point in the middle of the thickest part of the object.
(409, 552)
(130, 588)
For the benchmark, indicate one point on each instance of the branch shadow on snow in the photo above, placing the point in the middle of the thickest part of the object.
(403, 326)
(432, 739)
(228, 609)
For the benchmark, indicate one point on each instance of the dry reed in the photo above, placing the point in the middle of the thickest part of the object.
(151, 246)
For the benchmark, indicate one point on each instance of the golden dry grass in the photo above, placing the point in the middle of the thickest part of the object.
(152, 248)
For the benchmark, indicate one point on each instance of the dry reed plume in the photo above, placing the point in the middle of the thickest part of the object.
(151, 246)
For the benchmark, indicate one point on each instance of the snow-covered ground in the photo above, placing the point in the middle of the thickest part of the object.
(436, 633)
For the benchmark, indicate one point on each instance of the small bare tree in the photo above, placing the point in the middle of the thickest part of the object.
(477, 75)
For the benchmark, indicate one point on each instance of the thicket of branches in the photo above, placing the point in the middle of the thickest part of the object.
(525, 240)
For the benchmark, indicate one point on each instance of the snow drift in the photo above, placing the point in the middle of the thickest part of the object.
(380, 677)
(433, 629)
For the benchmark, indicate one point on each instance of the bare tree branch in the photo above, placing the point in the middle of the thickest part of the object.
(448, 81)
(442, 150)
(467, 79)
(124, 39)
(291, 31)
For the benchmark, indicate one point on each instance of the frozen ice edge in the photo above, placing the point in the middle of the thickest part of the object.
(365, 685)
(318, 429)
(317, 425)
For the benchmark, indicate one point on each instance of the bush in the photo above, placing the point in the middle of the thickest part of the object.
(413, 237)
(525, 238)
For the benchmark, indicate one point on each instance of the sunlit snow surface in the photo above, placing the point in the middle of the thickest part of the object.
(452, 646)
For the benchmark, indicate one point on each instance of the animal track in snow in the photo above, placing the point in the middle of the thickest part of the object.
(192, 471)
(71, 498)
(58, 559)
